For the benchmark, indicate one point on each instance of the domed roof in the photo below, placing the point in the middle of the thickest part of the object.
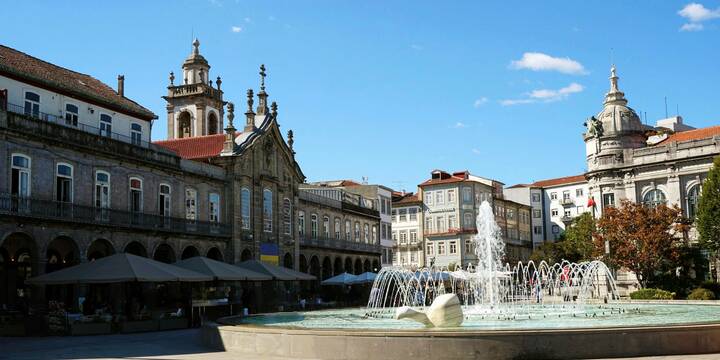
(195, 58)
(616, 117)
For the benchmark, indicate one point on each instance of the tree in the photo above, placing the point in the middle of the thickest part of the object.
(549, 252)
(577, 244)
(640, 238)
(708, 214)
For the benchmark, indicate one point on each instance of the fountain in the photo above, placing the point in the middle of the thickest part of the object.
(486, 309)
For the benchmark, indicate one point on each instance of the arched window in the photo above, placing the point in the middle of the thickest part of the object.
(357, 231)
(212, 124)
(267, 210)
(348, 230)
(693, 197)
(183, 127)
(287, 216)
(301, 224)
(214, 207)
(64, 183)
(314, 226)
(374, 234)
(337, 228)
(102, 190)
(366, 232)
(245, 207)
(136, 195)
(164, 200)
(653, 198)
(326, 227)
(190, 204)
(20, 182)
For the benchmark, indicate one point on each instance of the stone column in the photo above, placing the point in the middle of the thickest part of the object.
(170, 121)
(200, 127)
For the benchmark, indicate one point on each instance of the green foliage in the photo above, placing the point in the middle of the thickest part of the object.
(708, 215)
(712, 286)
(701, 294)
(652, 294)
(693, 267)
(549, 252)
(574, 245)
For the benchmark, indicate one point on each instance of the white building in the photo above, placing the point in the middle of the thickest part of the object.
(407, 231)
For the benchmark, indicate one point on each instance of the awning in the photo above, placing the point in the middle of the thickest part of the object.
(277, 272)
(220, 270)
(366, 277)
(119, 268)
(342, 279)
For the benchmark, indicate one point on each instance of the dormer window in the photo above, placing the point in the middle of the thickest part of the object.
(32, 104)
(71, 115)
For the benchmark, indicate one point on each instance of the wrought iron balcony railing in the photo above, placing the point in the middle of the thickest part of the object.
(68, 212)
(567, 202)
(339, 244)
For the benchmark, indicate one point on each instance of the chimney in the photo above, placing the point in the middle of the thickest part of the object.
(121, 85)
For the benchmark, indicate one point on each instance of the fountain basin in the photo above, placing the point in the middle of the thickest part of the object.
(657, 329)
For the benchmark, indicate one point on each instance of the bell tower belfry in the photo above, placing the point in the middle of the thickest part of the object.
(194, 106)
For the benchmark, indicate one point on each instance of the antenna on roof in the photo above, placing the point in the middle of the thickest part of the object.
(666, 114)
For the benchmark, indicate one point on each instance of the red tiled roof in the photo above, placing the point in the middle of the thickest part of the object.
(696, 134)
(193, 148)
(23, 67)
(559, 181)
(409, 198)
(518, 186)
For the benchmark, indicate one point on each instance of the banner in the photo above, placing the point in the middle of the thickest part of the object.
(269, 253)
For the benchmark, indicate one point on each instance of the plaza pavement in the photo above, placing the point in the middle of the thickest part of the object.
(164, 345)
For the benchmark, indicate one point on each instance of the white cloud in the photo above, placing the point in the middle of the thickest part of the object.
(236, 29)
(459, 125)
(691, 27)
(480, 102)
(545, 95)
(248, 20)
(416, 47)
(476, 151)
(542, 62)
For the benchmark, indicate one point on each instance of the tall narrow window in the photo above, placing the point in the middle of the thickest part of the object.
(439, 197)
(326, 227)
(214, 200)
(136, 195)
(136, 134)
(366, 232)
(357, 231)
(348, 230)
(71, 115)
(64, 183)
(20, 186)
(105, 125)
(468, 221)
(267, 210)
(451, 197)
(287, 216)
(693, 197)
(337, 228)
(428, 197)
(374, 234)
(32, 104)
(452, 223)
(467, 194)
(314, 226)
(245, 207)
(102, 190)
(190, 204)
(441, 224)
(301, 224)
(164, 200)
(413, 213)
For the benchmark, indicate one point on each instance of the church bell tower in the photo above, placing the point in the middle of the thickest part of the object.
(194, 106)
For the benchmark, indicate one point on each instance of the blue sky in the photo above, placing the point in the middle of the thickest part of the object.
(393, 89)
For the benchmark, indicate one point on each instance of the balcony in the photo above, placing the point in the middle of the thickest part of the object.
(194, 89)
(67, 212)
(567, 202)
(339, 244)
(567, 219)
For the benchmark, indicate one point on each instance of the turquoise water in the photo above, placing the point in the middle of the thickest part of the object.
(526, 317)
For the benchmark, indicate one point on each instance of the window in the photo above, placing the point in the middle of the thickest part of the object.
(136, 134)
(394, 236)
(441, 248)
(513, 233)
(693, 196)
(537, 230)
(102, 190)
(608, 200)
(468, 220)
(536, 213)
(413, 236)
(429, 249)
(452, 222)
(453, 247)
(357, 231)
(403, 215)
(326, 227)
(348, 230)
(451, 197)
(468, 247)
(190, 204)
(578, 192)
(566, 195)
(467, 194)
(394, 215)
(384, 231)
(214, 207)
(164, 200)
(32, 104)
(428, 197)
(413, 214)
(301, 224)
(313, 226)
(64, 183)
(579, 209)
(403, 237)
(567, 213)
(555, 229)
(441, 224)
(337, 228)
(439, 197)
(105, 125)
(374, 234)
(287, 216)
(511, 214)
(20, 186)
(267, 210)
(428, 224)
(245, 208)
(366, 231)
(536, 197)
(413, 257)
(554, 212)
(653, 198)
(136, 195)
(553, 196)
(71, 115)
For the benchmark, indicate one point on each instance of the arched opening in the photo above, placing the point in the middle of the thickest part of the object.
(376, 266)
(61, 253)
(288, 261)
(215, 254)
(348, 266)
(303, 264)
(164, 253)
(654, 198)
(213, 125)
(358, 267)
(315, 267)
(99, 248)
(184, 125)
(337, 266)
(366, 266)
(327, 268)
(245, 255)
(189, 252)
(136, 248)
(19, 253)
